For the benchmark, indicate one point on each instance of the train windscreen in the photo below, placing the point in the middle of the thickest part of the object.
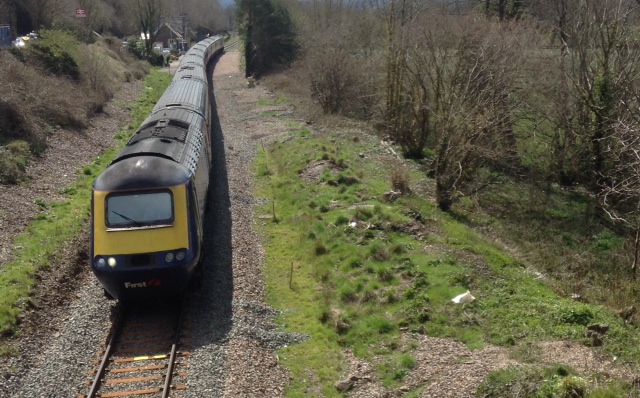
(139, 209)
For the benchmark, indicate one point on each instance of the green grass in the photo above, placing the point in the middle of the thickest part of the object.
(555, 381)
(59, 222)
(360, 275)
(279, 100)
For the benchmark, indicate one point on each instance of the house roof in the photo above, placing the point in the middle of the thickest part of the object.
(174, 29)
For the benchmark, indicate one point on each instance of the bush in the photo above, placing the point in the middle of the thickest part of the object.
(333, 77)
(344, 79)
(136, 47)
(13, 123)
(33, 102)
(102, 84)
(400, 179)
(57, 52)
(13, 162)
(17, 124)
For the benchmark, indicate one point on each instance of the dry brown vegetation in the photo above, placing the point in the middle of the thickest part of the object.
(530, 90)
(531, 120)
(38, 98)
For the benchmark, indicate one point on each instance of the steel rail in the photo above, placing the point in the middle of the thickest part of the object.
(174, 350)
(95, 386)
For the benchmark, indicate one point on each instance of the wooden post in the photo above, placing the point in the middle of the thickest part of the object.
(291, 277)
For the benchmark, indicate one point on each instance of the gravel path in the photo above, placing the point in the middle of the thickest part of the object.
(234, 336)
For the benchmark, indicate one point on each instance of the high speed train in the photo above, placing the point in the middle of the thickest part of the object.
(148, 205)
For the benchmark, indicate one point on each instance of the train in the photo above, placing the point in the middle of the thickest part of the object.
(148, 204)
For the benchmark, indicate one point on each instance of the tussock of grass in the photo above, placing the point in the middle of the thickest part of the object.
(555, 381)
(60, 222)
(13, 162)
(366, 269)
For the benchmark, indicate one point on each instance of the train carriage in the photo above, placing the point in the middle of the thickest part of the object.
(191, 71)
(148, 204)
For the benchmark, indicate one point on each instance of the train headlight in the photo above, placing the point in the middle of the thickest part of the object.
(101, 262)
(168, 258)
(181, 255)
(112, 262)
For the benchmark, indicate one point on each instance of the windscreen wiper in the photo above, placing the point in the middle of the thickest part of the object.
(131, 220)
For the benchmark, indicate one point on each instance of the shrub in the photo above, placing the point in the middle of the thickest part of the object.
(381, 325)
(13, 123)
(400, 179)
(57, 51)
(136, 47)
(139, 69)
(31, 101)
(13, 162)
(342, 80)
(573, 387)
(34, 104)
(320, 248)
(19, 148)
(573, 315)
(379, 252)
(332, 76)
(101, 73)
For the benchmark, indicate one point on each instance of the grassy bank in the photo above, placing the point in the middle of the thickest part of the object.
(59, 222)
(366, 267)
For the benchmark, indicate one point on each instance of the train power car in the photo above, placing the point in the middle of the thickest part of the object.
(148, 204)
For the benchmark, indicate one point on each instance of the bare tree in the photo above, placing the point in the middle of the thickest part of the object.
(342, 57)
(149, 14)
(398, 18)
(459, 88)
(201, 13)
(98, 17)
(620, 196)
(504, 9)
(43, 13)
(596, 64)
(557, 15)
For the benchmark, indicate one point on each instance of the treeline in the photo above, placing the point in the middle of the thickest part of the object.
(484, 91)
(119, 18)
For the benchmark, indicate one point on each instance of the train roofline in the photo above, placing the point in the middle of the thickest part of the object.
(142, 172)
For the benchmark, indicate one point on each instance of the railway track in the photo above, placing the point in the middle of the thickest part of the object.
(231, 45)
(143, 355)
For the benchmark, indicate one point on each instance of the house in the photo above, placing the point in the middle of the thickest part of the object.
(171, 35)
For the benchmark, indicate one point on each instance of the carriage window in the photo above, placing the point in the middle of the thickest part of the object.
(139, 209)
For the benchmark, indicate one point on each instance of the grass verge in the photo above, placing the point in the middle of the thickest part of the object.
(356, 268)
(59, 222)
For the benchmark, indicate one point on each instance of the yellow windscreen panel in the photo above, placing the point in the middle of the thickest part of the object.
(131, 241)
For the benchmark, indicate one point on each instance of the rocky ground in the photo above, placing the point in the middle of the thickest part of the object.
(234, 348)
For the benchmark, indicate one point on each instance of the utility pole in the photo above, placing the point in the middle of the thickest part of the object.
(185, 45)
